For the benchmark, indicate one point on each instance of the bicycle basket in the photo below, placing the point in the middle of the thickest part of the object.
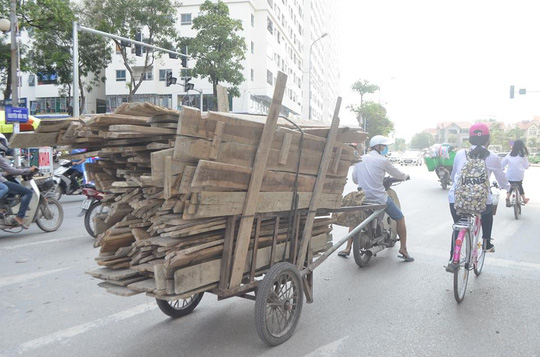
(45, 184)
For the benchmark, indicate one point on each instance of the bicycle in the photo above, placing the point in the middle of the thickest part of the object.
(515, 200)
(466, 258)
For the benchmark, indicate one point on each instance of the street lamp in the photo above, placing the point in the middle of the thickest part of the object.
(5, 25)
(309, 71)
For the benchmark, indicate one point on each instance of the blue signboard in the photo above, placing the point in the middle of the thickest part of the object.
(14, 115)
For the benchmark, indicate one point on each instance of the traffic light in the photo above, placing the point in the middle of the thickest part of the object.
(188, 86)
(138, 48)
(523, 91)
(511, 92)
(170, 79)
(184, 58)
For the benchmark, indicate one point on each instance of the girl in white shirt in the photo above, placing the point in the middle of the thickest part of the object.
(517, 163)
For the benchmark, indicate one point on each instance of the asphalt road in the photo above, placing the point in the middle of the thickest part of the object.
(49, 307)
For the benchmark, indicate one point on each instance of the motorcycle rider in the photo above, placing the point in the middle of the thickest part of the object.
(13, 187)
(368, 174)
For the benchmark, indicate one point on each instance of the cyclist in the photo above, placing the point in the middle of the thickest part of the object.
(16, 188)
(517, 163)
(368, 175)
(479, 139)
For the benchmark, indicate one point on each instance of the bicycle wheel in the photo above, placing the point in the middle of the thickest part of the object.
(480, 256)
(461, 274)
(517, 209)
(50, 217)
(89, 223)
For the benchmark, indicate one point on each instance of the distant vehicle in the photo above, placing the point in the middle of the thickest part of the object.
(534, 158)
(411, 158)
(394, 156)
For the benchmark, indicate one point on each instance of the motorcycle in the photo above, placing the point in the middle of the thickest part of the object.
(45, 211)
(91, 207)
(64, 183)
(380, 233)
(444, 176)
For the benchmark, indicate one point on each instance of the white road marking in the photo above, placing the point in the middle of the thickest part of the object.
(80, 329)
(331, 349)
(489, 259)
(26, 245)
(15, 279)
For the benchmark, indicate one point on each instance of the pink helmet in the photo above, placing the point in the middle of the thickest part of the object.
(479, 129)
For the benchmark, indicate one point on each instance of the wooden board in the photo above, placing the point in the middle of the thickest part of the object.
(33, 140)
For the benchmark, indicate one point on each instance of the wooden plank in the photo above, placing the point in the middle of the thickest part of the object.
(214, 148)
(118, 290)
(315, 202)
(32, 140)
(192, 150)
(116, 119)
(285, 148)
(112, 274)
(214, 204)
(223, 177)
(222, 99)
(246, 222)
(141, 129)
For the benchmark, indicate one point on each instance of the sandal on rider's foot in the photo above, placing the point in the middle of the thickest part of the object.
(344, 253)
(19, 221)
(508, 204)
(525, 201)
(406, 258)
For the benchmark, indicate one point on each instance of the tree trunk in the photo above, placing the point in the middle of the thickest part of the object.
(214, 94)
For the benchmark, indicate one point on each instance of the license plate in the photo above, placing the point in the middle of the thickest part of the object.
(86, 204)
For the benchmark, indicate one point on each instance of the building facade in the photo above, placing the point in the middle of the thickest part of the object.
(280, 35)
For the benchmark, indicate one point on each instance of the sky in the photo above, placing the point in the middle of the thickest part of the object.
(437, 61)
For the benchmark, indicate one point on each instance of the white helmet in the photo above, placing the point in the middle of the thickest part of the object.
(380, 140)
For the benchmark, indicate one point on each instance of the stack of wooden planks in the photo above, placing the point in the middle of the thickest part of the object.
(176, 182)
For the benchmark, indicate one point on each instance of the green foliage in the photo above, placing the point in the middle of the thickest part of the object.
(399, 145)
(375, 116)
(156, 19)
(363, 86)
(217, 47)
(422, 141)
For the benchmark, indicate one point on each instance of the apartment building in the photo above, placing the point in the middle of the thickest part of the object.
(279, 35)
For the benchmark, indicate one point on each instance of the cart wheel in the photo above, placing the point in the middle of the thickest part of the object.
(278, 304)
(181, 307)
(361, 243)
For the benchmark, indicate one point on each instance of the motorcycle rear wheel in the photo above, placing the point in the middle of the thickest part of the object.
(94, 209)
(50, 225)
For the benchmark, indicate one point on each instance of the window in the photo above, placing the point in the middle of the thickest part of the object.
(147, 76)
(269, 77)
(252, 47)
(121, 75)
(185, 19)
(163, 74)
(269, 25)
(47, 78)
(32, 80)
(252, 75)
(252, 20)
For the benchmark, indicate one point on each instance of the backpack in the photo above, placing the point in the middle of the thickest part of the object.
(472, 185)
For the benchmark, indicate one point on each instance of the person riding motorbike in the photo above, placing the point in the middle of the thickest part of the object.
(368, 175)
(13, 187)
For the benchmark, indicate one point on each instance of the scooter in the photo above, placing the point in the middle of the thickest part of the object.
(380, 233)
(45, 211)
(91, 207)
(64, 184)
(444, 176)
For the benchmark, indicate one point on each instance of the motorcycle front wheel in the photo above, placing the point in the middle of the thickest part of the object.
(55, 214)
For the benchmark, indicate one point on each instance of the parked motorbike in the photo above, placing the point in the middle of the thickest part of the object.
(380, 233)
(45, 211)
(91, 207)
(64, 183)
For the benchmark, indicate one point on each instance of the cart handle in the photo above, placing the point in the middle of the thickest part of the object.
(309, 269)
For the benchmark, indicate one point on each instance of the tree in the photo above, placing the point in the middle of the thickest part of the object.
(422, 141)
(51, 50)
(217, 47)
(362, 87)
(154, 19)
(374, 116)
(399, 145)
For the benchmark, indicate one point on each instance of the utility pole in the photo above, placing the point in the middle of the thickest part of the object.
(14, 70)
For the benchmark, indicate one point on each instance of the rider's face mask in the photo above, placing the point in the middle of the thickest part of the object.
(384, 151)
